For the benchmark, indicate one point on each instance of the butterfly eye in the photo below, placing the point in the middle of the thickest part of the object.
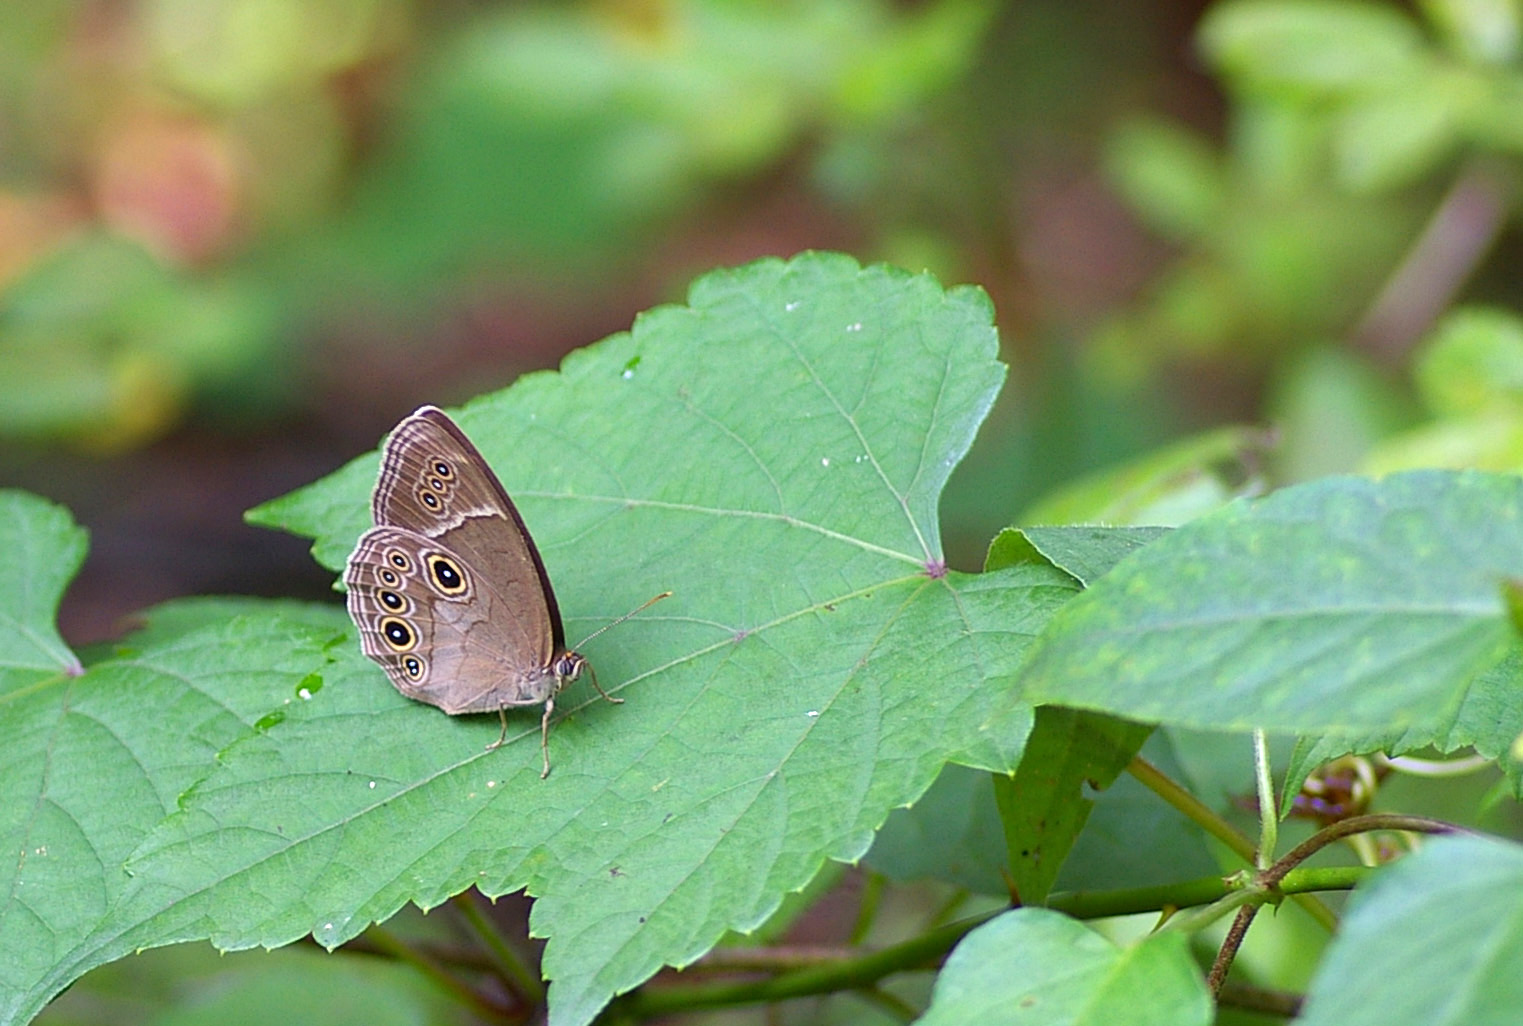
(398, 634)
(391, 600)
(413, 667)
(446, 574)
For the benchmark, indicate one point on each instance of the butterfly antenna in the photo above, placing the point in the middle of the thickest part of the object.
(633, 612)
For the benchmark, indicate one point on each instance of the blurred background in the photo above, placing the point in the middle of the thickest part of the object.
(1230, 245)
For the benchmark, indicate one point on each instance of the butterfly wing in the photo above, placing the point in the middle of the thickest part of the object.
(439, 628)
(451, 573)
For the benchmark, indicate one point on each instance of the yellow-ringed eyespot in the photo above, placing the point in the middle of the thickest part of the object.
(398, 633)
(443, 469)
(429, 500)
(446, 574)
(436, 483)
(391, 600)
(414, 667)
(399, 560)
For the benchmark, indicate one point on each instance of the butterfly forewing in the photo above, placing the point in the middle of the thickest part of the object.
(434, 481)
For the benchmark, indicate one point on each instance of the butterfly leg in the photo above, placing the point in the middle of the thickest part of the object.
(503, 716)
(594, 675)
(544, 735)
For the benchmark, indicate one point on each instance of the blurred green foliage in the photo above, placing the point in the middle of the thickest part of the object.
(199, 199)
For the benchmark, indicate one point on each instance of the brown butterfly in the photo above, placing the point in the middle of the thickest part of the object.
(448, 591)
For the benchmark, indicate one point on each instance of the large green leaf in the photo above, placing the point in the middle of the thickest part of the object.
(773, 453)
(1342, 606)
(1034, 967)
(1435, 940)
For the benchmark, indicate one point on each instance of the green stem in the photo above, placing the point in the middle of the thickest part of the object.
(399, 949)
(1195, 810)
(1269, 819)
(1208, 820)
(504, 959)
(861, 973)
(867, 910)
(1194, 893)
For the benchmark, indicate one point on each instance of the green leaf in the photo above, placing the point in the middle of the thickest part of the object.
(954, 833)
(1480, 30)
(773, 453)
(92, 763)
(1472, 362)
(1434, 940)
(1488, 719)
(1084, 553)
(1311, 47)
(44, 548)
(1174, 484)
(1042, 806)
(1396, 138)
(1339, 606)
(951, 834)
(194, 985)
(1170, 176)
(1039, 968)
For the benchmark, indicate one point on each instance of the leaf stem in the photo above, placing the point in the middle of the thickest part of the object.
(1195, 810)
(1269, 819)
(1212, 823)
(514, 972)
(867, 910)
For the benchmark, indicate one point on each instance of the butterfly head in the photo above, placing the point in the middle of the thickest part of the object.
(567, 667)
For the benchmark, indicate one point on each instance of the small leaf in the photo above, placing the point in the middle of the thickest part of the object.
(1433, 940)
(1036, 967)
(43, 550)
(1310, 47)
(1176, 483)
(1339, 606)
(1042, 806)
(1084, 553)
(1473, 362)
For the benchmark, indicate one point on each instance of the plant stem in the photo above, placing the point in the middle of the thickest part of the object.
(504, 959)
(867, 910)
(860, 973)
(1198, 812)
(1269, 813)
(1267, 882)
(1207, 819)
(394, 946)
(834, 971)
(1354, 825)
(1228, 951)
